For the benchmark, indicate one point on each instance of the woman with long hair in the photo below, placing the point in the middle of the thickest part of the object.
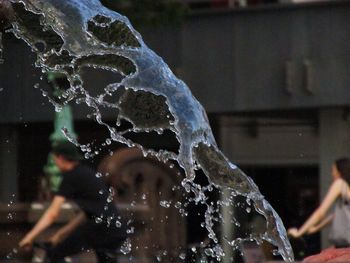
(339, 193)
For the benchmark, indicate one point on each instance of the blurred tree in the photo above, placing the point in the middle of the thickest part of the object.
(149, 12)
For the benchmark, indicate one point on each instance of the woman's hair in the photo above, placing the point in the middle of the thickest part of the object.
(343, 167)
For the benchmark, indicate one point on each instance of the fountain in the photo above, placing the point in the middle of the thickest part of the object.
(68, 35)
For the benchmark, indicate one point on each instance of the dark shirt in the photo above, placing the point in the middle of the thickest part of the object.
(89, 192)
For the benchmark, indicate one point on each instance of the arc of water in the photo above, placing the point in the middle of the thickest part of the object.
(80, 34)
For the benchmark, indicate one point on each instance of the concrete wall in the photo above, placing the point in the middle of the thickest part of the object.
(269, 142)
(282, 57)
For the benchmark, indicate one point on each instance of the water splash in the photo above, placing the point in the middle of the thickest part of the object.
(69, 35)
(1, 50)
(126, 247)
(10, 218)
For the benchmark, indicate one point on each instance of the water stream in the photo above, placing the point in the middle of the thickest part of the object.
(69, 35)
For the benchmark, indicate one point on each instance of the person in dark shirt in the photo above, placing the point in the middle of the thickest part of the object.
(98, 225)
(6, 14)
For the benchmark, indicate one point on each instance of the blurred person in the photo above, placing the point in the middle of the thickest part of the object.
(252, 252)
(95, 227)
(339, 193)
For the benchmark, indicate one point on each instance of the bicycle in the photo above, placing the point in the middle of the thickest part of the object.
(40, 250)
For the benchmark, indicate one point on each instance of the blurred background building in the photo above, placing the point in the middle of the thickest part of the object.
(272, 75)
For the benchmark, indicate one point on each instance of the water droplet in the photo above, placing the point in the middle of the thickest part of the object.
(249, 201)
(165, 203)
(98, 220)
(186, 186)
(110, 198)
(182, 256)
(1, 49)
(131, 230)
(9, 216)
(126, 247)
(208, 252)
(183, 212)
(118, 223)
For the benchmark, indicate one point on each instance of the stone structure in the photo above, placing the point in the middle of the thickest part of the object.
(153, 193)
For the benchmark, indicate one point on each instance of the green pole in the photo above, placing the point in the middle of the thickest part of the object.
(63, 119)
